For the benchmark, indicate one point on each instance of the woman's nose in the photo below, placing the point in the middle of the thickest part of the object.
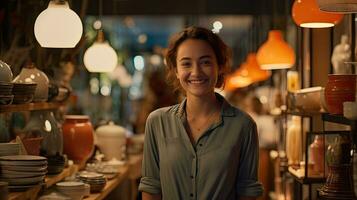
(196, 69)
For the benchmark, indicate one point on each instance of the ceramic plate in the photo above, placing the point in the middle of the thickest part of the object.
(23, 158)
(23, 163)
(18, 168)
(16, 174)
(23, 181)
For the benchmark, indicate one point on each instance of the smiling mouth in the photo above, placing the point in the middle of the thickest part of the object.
(200, 81)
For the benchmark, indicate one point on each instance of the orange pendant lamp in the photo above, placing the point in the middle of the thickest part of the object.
(275, 53)
(306, 13)
(253, 69)
(249, 72)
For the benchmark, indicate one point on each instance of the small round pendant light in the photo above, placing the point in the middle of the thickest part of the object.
(275, 53)
(58, 26)
(307, 14)
(100, 57)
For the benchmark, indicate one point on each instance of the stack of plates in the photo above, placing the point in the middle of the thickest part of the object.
(23, 92)
(8, 149)
(95, 180)
(23, 171)
(5, 93)
(55, 164)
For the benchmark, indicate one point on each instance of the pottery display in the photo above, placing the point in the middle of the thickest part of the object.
(5, 72)
(339, 88)
(30, 74)
(78, 139)
(111, 140)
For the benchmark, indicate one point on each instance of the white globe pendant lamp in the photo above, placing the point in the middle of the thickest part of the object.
(58, 26)
(100, 57)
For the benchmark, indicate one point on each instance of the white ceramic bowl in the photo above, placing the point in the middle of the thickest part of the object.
(350, 110)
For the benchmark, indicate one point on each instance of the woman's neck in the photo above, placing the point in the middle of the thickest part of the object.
(201, 106)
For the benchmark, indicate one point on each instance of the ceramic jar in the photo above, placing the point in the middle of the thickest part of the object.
(111, 140)
(293, 140)
(5, 72)
(30, 74)
(339, 88)
(44, 124)
(78, 141)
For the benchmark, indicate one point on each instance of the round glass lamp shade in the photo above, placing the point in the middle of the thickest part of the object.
(306, 13)
(100, 57)
(275, 53)
(58, 26)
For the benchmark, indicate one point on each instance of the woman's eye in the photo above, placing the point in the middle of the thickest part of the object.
(206, 62)
(186, 64)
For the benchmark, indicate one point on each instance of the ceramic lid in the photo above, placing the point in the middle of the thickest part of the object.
(111, 130)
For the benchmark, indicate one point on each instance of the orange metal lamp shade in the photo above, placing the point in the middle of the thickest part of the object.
(236, 81)
(306, 13)
(252, 69)
(275, 53)
(249, 72)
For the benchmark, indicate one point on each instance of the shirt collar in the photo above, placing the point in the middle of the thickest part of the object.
(227, 110)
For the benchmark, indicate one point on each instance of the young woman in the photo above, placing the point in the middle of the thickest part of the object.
(202, 148)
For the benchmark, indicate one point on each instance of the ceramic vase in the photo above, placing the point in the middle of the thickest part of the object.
(78, 139)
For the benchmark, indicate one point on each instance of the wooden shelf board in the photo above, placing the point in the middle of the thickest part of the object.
(29, 106)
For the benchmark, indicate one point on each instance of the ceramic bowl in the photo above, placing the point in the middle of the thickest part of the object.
(5, 72)
(308, 99)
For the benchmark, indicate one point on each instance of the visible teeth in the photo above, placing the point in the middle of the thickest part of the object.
(196, 81)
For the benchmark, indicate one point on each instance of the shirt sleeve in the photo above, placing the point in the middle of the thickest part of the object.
(150, 180)
(247, 183)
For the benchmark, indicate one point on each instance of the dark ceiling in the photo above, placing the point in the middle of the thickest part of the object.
(187, 7)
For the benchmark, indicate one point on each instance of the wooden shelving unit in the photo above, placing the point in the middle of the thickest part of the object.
(29, 107)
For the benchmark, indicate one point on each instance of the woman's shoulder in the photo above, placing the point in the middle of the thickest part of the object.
(240, 114)
(163, 112)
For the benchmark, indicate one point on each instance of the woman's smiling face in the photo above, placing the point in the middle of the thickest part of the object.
(197, 68)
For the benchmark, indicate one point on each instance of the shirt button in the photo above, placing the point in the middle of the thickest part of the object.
(201, 145)
(191, 176)
(191, 195)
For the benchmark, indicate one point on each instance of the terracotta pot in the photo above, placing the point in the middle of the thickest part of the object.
(339, 88)
(78, 139)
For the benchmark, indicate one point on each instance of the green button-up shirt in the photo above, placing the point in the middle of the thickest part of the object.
(221, 165)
